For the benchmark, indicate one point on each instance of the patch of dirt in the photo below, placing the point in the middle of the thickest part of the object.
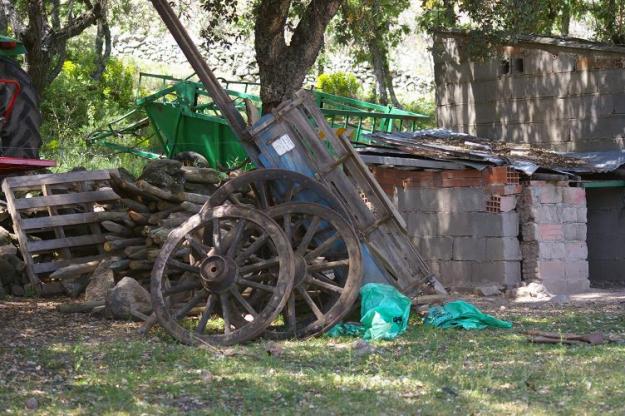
(31, 322)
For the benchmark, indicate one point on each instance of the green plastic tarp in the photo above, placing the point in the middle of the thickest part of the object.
(384, 314)
(460, 314)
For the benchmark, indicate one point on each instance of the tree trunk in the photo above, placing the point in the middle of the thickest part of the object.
(377, 62)
(102, 47)
(388, 81)
(283, 67)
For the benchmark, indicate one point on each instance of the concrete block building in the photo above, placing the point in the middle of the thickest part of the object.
(563, 94)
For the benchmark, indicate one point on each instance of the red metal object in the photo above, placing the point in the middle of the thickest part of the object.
(18, 89)
(15, 164)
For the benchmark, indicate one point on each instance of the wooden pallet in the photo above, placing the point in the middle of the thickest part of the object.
(54, 218)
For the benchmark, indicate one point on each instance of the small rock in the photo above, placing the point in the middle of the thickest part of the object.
(128, 295)
(560, 299)
(491, 290)
(76, 286)
(362, 347)
(533, 290)
(32, 404)
(101, 281)
(17, 290)
(274, 349)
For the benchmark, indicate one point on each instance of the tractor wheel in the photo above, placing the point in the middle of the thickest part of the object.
(19, 136)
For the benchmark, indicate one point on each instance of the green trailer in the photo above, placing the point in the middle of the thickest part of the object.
(183, 119)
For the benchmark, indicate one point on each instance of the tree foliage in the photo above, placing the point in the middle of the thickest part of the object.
(288, 35)
(45, 27)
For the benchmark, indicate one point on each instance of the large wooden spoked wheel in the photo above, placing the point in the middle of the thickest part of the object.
(328, 269)
(211, 266)
(266, 188)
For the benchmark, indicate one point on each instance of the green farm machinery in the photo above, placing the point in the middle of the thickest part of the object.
(184, 121)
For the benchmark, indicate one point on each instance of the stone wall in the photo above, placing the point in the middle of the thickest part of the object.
(606, 237)
(410, 62)
(546, 96)
(464, 223)
(553, 233)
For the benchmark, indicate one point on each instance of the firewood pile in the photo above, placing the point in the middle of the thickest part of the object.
(134, 228)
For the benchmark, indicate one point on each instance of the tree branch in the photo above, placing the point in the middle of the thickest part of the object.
(80, 23)
(309, 33)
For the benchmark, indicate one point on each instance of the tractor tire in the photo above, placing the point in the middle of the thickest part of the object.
(19, 136)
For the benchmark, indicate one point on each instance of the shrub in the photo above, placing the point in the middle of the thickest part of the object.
(339, 83)
(75, 104)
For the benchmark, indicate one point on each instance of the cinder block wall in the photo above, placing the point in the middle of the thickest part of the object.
(549, 96)
(606, 237)
(464, 223)
(553, 233)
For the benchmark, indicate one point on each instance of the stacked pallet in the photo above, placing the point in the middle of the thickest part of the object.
(162, 198)
(69, 224)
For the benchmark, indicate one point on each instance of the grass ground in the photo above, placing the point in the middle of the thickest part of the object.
(79, 365)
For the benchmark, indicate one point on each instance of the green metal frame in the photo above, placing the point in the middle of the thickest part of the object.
(184, 118)
(16, 47)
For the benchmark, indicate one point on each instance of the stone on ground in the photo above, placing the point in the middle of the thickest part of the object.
(126, 297)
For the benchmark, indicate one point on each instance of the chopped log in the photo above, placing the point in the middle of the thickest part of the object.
(191, 207)
(157, 216)
(75, 270)
(174, 220)
(166, 206)
(116, 228)
(190, 197)
(119, 265)
(158, 235)
(199, 188)
(157, 192)
(134, 205)
(140, 265)
(201, 175)
(85, 307)
(125, 187)
(122, 243)
(111, 216)
(136, 252)
(8, 250)
(138, 217)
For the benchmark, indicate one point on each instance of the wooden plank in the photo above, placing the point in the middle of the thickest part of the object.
(59, 220)
(51, 266)
(82, 240)
(56, 178)
(95, 228)
(21, 236)
(66, 199)
(59, 232)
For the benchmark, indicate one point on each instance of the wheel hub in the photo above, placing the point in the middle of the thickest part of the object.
(217, 273)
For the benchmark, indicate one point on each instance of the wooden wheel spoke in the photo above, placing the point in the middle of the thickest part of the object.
(208, 310)
(321, 248)
(195, 300)
(197, 247)
(264, 264)
(317, 267)
(256, 285)
(183, 287)
(217, 236)
(183, 266)
(291, 319)
(235, 293)
(225, 311)
(311, 303)
(236, 238)
(310, 233)
(294, 189)
(253, 248)
(319, 283)
(263, 196)
(287, 227)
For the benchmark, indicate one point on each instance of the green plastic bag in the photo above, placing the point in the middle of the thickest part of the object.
(384, 314)
(460, 314)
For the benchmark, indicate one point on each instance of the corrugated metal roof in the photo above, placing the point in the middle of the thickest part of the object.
(442, 145)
